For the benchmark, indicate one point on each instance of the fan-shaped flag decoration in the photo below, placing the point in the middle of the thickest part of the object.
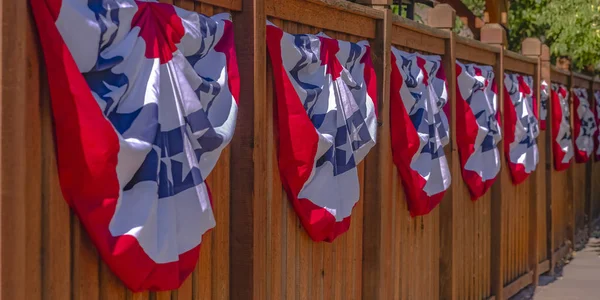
(143, 97)
(480, 133)
(562, 145)
(520, 127)
(584, 125)
(326, 122)
(545, 96)
(597, 115)
(419, 128)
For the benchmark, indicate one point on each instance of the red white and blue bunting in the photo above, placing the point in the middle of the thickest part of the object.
(144, 100)
(584, 125)
(562, 144)
(325, 93)
(477, 142)
(545, 97)
(419, 128)
(520, 126)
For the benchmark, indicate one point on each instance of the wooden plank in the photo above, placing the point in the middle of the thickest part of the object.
(514, 287)
(277, 214)
(449, 258)
(583, 77)
(560, 78)
(497, 229)
(536, 189)
(34, 132)
(376, 271)
(357, 230)
(85, 264)
(582, 83)
(571, 225)
(13, 157)
(561, 253)
(407, 37)
(468, 53)
(326, 16)
(247, 260)
(235, 5)
(110, 287)
(166, 295)
(520, 66)
(185, 292)
(137, 296)
(544, 266)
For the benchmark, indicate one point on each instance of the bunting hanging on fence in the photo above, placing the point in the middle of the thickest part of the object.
(521, 126)
(144, 100)
(597, 115)
(545, 96)
(478, 125)
(562, 145)
(419, 128)
(325, 93)
(584, 125)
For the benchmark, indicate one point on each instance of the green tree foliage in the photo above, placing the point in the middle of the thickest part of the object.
(570, 27)
(476, 6)
(574, 30)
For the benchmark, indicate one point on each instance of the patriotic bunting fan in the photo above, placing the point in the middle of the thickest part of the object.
(597, 115)
(545, 96)
(419, 128)
(520, 126)
(476, 103)
(144, 100)
(562, 144)
(326, 122)
(584, 125)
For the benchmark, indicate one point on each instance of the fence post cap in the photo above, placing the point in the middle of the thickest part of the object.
(531, 47)
(442, 16)
(493, 34)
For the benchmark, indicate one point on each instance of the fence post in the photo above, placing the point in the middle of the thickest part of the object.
(250, 157)
(546, 75)
(442, 16)
(494, 34)
(588, 170)
(565, 64)
(532, 47)
(377, 247)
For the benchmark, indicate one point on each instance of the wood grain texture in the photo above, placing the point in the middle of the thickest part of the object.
(471, 53)
(449, 211)
(559, 76)
(513, 64)
(13, 157)
(324, 17)
(497, 227)
(408, 37)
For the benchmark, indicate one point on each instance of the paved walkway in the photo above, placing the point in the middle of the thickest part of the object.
(580, 278)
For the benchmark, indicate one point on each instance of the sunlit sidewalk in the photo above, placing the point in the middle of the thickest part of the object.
(580, 278)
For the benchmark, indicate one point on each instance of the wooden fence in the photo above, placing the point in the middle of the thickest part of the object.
(490, 248)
